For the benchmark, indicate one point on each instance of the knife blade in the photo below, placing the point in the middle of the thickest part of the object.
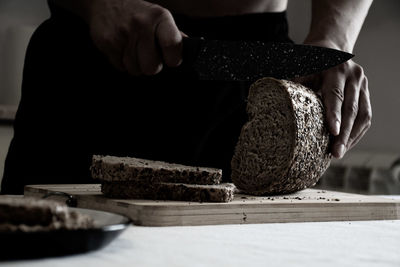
(250, 60)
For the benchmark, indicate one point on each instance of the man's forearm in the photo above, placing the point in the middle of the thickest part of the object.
(337, 23)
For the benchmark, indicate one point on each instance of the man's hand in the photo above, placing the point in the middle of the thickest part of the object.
(344, 89)
(136, 36)
(348, 108)
(345, 94)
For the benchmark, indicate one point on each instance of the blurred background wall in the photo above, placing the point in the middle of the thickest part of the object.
(377, 50)
(18, 20)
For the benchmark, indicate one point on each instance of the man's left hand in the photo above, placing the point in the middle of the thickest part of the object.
(345, 94)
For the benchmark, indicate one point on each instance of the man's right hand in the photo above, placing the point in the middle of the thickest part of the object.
(137, 36)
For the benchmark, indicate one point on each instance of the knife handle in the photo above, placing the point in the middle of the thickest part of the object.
(191, 49)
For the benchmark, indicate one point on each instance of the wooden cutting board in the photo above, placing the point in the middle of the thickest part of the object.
(309, 205)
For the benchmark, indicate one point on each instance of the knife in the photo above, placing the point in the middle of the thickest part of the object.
(250, 60)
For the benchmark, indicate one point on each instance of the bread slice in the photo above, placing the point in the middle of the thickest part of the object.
(30, 214)
(169, 191)
(124, 177)
(284, 147)
(111, 168)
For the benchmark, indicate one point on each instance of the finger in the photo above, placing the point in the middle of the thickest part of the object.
(149, 58)
(350, 111)
(364, 116)
(357, 139)
(130, 59)
(170, 40)
(332, 90)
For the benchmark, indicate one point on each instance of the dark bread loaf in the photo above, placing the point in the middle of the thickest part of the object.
(111, 168)
(284, 147)
(169, 191)
(30, 214)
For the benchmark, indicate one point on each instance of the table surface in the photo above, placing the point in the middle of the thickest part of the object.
(356, 243)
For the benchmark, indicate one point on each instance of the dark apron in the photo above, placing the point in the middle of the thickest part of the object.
(74, 104)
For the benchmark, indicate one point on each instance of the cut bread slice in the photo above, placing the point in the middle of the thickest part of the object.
(169, 191)
(111, 168)
(284, 146)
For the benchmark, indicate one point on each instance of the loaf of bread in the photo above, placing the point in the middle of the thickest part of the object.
(284, 146)
(169, 191)
(111, 168)
(30, 214)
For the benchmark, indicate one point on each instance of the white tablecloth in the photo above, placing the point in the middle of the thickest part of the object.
(366, 243)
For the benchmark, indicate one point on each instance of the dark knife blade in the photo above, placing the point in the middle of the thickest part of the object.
(251, 60)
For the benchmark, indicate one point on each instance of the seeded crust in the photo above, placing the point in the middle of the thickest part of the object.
(169, 191)
(110, 168)
(284, 147)
(30, 214)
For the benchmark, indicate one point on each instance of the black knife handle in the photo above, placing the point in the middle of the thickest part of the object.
(191, 49)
